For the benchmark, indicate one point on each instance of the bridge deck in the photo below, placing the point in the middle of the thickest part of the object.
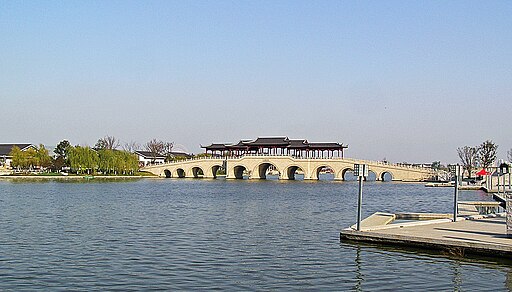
(256, 166)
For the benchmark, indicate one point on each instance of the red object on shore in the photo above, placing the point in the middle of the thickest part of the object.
(483, 172)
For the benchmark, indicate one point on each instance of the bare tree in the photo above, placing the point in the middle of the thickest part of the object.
(131, 146)
(509, 155)
(487, 152)
(108, 143)
(155, 147)
(167, 151)
(468, 156)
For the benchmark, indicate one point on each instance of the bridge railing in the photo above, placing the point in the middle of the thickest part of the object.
(358, 161)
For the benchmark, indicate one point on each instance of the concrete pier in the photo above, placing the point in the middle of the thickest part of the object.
(477, 234)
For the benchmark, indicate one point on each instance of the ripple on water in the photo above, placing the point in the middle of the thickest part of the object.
(225, 235)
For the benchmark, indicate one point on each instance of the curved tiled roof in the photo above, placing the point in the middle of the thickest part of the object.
(5, 149)
(272, 142)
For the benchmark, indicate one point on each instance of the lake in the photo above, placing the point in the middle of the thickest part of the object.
(181, 234)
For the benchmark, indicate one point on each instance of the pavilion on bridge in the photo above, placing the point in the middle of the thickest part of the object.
(299, 148)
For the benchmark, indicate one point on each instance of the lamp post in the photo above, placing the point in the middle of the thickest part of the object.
(456, 170)
(361, 171)
(504, 169)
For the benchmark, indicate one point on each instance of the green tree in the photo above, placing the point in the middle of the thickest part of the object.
(31, 158)
(43, 158)
(83, 159)
(62, 153)
(18, 157)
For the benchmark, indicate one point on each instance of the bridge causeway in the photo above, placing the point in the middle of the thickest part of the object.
(255, 166)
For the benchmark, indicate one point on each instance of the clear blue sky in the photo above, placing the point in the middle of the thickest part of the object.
(402, 80)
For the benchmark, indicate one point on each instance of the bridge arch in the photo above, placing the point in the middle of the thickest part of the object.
(180, 173)
(261, 170)
(323, 167)
(167, 173)
(386, 176)
(215, 169)
(347, 174)
(238, 171)
(197, 172)
(372, 176)
(291, 171)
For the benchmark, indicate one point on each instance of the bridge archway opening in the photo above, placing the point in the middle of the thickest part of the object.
(167, 173)
(268, 170)
(218, 170)
(348, 175)
(325, 173)
(180, 172)
(197, 172)
(386, 176)
(295, 173)
(372, 176)
(239, 171)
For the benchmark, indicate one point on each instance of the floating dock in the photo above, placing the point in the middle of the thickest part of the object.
(475, 234)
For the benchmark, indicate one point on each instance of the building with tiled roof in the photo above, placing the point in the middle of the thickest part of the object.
(278, 146)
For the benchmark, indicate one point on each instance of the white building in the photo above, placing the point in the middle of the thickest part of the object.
(5, 153)
(147, 157)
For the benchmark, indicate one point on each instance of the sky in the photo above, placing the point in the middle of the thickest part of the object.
(408, 81)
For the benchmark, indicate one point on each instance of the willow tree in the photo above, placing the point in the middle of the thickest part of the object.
(83, 159)
(17, 157)
(117, 162)
(43, 157)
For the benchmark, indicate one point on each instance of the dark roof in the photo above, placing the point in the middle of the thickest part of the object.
(148, 154)
(216, 146)
(240, 145)
(5, 149)
(180, 154)
(282, 142)
(325, 145)
(298, 144)
(269, 141)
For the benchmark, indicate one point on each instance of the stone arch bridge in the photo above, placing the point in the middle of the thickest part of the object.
(255, 167)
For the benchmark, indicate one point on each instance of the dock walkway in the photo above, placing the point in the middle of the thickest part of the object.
(485, 235)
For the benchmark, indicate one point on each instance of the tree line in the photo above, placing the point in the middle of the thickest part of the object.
(480, 156)
(105, 157)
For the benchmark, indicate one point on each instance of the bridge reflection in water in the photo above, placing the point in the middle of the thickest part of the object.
(286, 166)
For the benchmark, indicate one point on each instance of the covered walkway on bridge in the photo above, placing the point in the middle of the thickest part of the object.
(277, 146)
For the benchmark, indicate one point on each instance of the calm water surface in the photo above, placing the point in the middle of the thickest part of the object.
(216, 234)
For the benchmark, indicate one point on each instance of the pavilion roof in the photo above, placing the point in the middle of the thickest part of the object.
(298, 143)
(326, 145)
(282, 142)
(216, 146)
(269, 141)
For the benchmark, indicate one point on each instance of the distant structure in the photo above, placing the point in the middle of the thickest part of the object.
(5, 153)
(147, 157)
(299, 148)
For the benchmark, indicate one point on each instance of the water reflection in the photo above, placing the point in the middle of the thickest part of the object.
(460, 269)
(358, 272)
